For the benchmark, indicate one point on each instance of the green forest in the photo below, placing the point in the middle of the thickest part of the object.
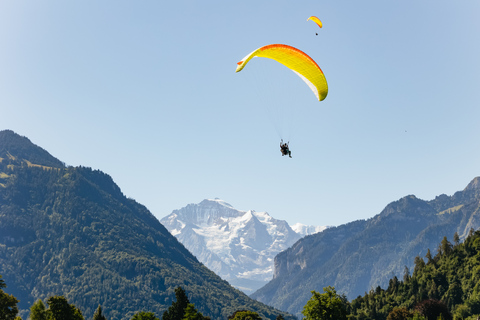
(70, 231)
(60, 309)
(445, 286)
(448, 281)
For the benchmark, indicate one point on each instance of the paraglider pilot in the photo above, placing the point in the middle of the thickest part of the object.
(284, 149)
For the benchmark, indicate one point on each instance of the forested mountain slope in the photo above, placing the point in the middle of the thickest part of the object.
(361, 255)
(450, 280)
(70, 231)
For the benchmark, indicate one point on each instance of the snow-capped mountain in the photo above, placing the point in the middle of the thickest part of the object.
(305, 230)
(237, 245)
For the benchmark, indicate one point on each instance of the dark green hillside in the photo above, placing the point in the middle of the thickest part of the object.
(451, 276)
(70, 231)
(13, 144)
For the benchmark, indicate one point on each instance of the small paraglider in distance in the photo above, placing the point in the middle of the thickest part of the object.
(317, 21)
(285, 149)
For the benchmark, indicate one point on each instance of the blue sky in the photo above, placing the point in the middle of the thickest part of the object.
(146, 91)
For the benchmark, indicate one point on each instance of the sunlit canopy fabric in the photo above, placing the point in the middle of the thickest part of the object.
(296, 60)
(316, 20)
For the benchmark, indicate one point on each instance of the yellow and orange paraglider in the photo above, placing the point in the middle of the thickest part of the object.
(316, 20)
(297, 61)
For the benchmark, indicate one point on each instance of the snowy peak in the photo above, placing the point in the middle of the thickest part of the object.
(255, 234)
(220, 202)
(207, 212)
(240, 246)
(305, 230)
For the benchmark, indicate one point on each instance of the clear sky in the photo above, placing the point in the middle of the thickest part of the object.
(146, 91)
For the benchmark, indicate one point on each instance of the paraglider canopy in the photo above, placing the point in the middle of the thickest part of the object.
(316, 20)
(297, 61)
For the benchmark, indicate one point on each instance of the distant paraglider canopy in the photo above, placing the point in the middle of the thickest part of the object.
(316, 20)
(297, 61)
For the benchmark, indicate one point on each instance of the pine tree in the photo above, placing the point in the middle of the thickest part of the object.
(98, 314)
(37, 311)
(471, 232)
(419, 265)
(60, 309)
(177, 310)
(8, 303)
(445, 247)
(193, 314)
(429, 257)
(456, 238)
(406, 274)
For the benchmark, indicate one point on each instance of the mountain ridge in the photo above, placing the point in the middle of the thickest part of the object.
(238, 245)
(365, 253)
(72, 232)
(14, 144)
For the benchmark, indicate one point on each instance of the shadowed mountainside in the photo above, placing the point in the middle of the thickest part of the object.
(71, 231)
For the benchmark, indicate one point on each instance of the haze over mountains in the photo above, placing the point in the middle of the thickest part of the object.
(70, 231)
(237, 245)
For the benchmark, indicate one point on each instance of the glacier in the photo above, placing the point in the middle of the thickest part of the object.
(239, 246)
